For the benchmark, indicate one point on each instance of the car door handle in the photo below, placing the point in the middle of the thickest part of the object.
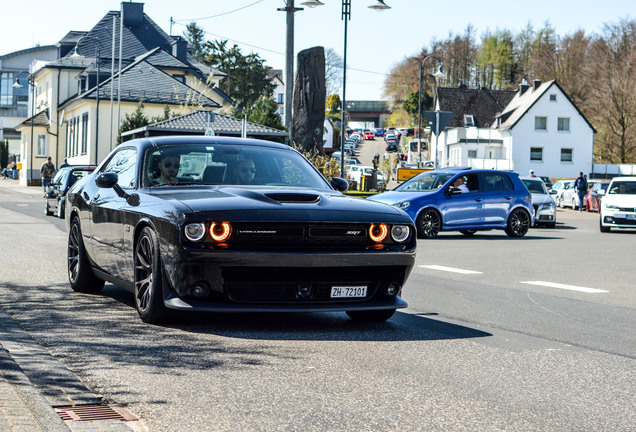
(478, 199)
(508, 198)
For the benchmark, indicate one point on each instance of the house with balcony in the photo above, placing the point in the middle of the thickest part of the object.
(536, 127)
(85, 92)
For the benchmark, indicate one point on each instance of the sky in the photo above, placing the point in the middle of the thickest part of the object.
(376, 41)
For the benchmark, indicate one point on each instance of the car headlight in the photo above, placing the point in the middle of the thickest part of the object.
(403, 205)
(195, 231)
(220, 231)
(547, 205)
(400, 233)
(378, 232)
(611, 206)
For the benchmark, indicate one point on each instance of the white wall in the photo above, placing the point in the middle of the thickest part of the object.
(580, 138)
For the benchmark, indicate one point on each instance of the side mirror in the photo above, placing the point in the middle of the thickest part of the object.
(109, 180)
(601, 192)
(453, 191)
(339, 184)
(553, 192)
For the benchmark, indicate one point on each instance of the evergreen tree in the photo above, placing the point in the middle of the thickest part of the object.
(265, 112)
(195, 36)
(133, 121)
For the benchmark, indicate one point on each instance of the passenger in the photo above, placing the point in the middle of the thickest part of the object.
(459, 183)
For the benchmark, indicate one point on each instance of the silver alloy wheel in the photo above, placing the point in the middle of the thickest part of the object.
(143, 273)
(73, 252)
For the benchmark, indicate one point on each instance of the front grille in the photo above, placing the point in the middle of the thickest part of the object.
(300, 236)
(263, 285)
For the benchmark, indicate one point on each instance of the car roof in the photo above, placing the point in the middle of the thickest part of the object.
(199, 139)
(624, 178)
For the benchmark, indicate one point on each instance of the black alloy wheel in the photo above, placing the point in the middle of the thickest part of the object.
(371, 315)
(518, 223)
(429, 223)
(148, 279)
(80, 275)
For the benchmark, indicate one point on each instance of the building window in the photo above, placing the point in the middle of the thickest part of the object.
(552, 98)
(281, 111)
(41, 146)
(472, 154)
(6, 89)
(84, 146)
(469, 120)
(280, 99)
(563, 124)
(180, 78)
(536, 154)
(540, 123)
(566, 155)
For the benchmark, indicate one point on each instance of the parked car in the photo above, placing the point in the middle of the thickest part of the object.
(593, 197)
(543, 204)
(570, 196)
(55, 197)
(257, 229)
(392, 147)
(369, 135)
(547, 180)
(390, 136)
(560, 187)
(356, 172)
(618, 206)
(496, 200)
(379, 132)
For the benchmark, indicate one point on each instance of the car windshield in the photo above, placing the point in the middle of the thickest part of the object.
(223, 164)
(428, 181)
(623, 188)
(535, 186)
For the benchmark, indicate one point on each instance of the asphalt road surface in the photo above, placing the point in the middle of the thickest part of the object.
(501, 334)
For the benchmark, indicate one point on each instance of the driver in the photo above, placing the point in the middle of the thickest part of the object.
(244, 171)
(459, 183)
(168, 167)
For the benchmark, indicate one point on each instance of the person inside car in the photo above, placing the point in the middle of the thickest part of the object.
(244, 172)
(167, 169)
(459, 184)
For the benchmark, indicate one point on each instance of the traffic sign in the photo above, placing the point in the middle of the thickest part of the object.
(438, 120)
(404, 174)
(209, 132)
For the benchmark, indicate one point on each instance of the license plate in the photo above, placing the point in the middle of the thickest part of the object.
(348, 291)
(631, 216)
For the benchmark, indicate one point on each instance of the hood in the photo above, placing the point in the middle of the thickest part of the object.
(271, 203)
(394, 197)
(538, 199)
(623, 201)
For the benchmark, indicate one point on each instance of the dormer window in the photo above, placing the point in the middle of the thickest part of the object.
(81, 85)
(469, 120)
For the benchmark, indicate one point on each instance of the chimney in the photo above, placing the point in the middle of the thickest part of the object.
(132, 13)
(537, 84)
(523, 87)
(180, 48)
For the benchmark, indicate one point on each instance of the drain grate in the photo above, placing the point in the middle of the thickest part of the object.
(94, 413)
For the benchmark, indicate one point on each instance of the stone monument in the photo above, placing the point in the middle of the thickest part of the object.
(309, 100)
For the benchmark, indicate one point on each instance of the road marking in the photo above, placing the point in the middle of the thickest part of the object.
(450, 269)
(566, 287)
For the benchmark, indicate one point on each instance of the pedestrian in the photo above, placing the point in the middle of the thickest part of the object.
(65, 163)
(532, 173)
(46, 172)
(580, 185)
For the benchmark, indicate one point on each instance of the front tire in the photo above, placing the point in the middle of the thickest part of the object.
(149, 279)
(47, 211)
(371, 315)
(60, 210)
(429, 224)
(518, 223)
(604, 229)
(80, 275)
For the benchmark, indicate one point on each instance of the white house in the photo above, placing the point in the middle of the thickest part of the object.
(533, 128)
(276, 77)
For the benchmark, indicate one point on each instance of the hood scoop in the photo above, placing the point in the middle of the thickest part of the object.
(294, 197)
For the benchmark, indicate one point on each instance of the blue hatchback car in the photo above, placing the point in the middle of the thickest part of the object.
(465, 200)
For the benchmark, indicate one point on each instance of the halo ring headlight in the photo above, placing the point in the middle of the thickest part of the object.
(378, 232)
(400, 233)
(220, 231)
(195, 231)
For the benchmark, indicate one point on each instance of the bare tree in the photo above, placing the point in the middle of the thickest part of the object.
(333, 71)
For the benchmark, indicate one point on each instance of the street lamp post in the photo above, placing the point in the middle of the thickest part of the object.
(379, 6)
(97, 60)
(16, 84)
(438, 74)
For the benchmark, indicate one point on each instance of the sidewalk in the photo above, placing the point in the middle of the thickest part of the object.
(15, 186)
(33, 382)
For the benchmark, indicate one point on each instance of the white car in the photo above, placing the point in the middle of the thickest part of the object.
(543, 204)
(618, 206)
(355, 173)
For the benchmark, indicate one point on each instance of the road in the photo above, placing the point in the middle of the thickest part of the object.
(478, 351)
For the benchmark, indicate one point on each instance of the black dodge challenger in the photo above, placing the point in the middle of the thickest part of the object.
(233, 225)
